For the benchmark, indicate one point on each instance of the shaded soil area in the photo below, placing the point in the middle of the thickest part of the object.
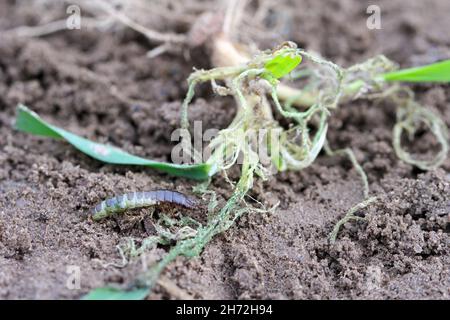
(102, 86)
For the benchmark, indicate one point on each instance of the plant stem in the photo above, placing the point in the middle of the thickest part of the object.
(350, 215)
(351, 156)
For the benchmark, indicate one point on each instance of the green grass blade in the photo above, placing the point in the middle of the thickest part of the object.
(436, 72)
(282, 64)
(110, 293)
(29, 121)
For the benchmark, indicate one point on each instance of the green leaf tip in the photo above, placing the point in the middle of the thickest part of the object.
(282, 64)
(111, 293)
(436, 72)
(30, 122)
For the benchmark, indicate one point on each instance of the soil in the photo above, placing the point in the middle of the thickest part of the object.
(47, 188)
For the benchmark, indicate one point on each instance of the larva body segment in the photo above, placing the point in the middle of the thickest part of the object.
(135, 200)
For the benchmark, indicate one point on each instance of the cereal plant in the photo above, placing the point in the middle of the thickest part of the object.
(309, 109)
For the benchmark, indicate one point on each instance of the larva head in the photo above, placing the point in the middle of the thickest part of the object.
(183, 200)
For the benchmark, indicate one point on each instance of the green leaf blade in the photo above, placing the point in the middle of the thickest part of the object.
(110, 293)
(26, 120)
(30, 122)
(437, 72)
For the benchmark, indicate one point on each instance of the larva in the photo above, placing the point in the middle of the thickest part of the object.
(134, 200)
